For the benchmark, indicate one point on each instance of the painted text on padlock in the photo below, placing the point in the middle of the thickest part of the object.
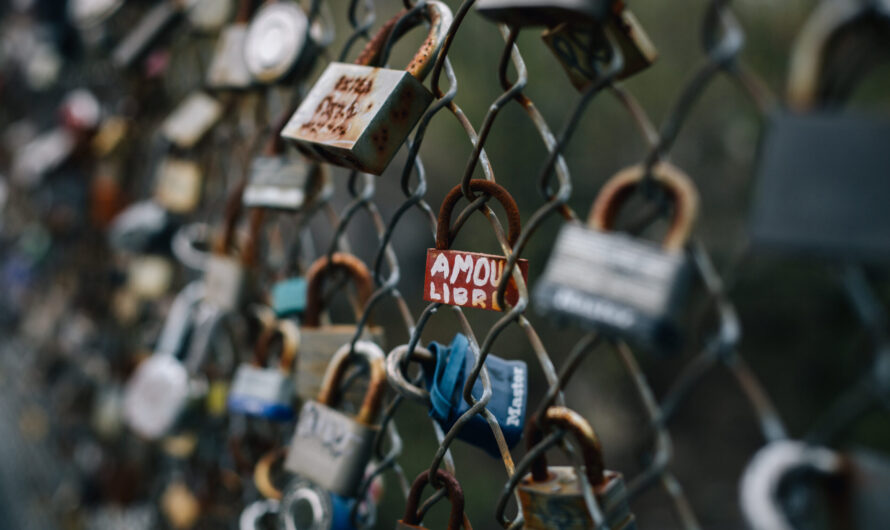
(355, 115)
(468, 279)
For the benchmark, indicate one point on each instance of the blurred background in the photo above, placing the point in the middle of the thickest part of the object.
(70, 336)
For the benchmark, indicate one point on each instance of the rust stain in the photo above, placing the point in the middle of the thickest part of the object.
(335, 113)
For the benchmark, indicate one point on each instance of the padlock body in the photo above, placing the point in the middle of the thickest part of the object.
(228, 69)
(317, 346)
(509, 385)
(617, 285)
(277, 182)
(224, 280)
(358, 116)
(579, 48)
(263, 392)
(276, 40)
(289, 297)
(821, 189)
(544, 12)
(468, 279)
(178, 187)
(156, 396)
(191, 120)
(330, 449)
(559, 503)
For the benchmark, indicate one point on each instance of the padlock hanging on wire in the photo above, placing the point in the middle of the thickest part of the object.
(470, 279)
(620, 285)
(455, 495)
(357, 115)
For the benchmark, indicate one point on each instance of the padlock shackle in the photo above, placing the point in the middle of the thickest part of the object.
(316, 273)
(828, 21)
(618, 189)
(455, 495)
(330, 395)
(444, 237)
(572, 422)
(262, 473)
(290, 344)
(439, 17)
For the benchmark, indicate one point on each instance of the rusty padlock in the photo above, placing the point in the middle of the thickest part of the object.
(356, 115)
(551, 497)
(579, 47)
(268, 392)
(329, 447)
(411, 520)
(621, 285)
(318, 342)
(470, 279)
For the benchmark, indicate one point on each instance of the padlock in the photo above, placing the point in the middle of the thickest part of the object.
(225, 278)
(191, 120)
(306, 506)
(832, 163)
(509, 388)
(139, 40)
(228, 69)
(551, 496)
(149, 277)
(267, 392)
(623, 286)
(318, 342)
(143, 227)
(278, 42)
(208, 16)
(329, 447)
(580, 47)
(289, 297)
(548, 12)
(280, 181)
(455, 495)
(178, 185)
(357, 116)
(160, 389)
(830, 489)
(470, 279)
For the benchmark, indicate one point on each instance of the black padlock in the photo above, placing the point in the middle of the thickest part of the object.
(822, 188)
(611, 282)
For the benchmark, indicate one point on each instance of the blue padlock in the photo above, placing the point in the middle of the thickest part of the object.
(509, 386)
(289, 297)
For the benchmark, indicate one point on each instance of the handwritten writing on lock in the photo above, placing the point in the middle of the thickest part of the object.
(468, 279)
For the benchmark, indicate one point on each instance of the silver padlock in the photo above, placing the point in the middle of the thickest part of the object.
(224, 278)
(853, 487)
(160, 388)
(277, 41)
(358, 116)
(330, 448)
(268, 392)
(228, 69)
(191, 120)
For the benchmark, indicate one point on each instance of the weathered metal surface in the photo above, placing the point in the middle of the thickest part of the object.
(358, 116)
(558, 503)
(317, 346)
(468, 279)
(578, 48)
(178, 187)
(228, 68)
(191, 120)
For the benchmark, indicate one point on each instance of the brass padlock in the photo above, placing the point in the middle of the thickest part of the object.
(551, 497)
(579, 47)
(318, 342)
(329, 447)
(411, 520)
(357, 116)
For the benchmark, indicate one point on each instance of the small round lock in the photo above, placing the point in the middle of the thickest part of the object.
(276, 38)
(619, 188)
(455, 495)
(444, 236)
(373, 400)
(316, 274)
